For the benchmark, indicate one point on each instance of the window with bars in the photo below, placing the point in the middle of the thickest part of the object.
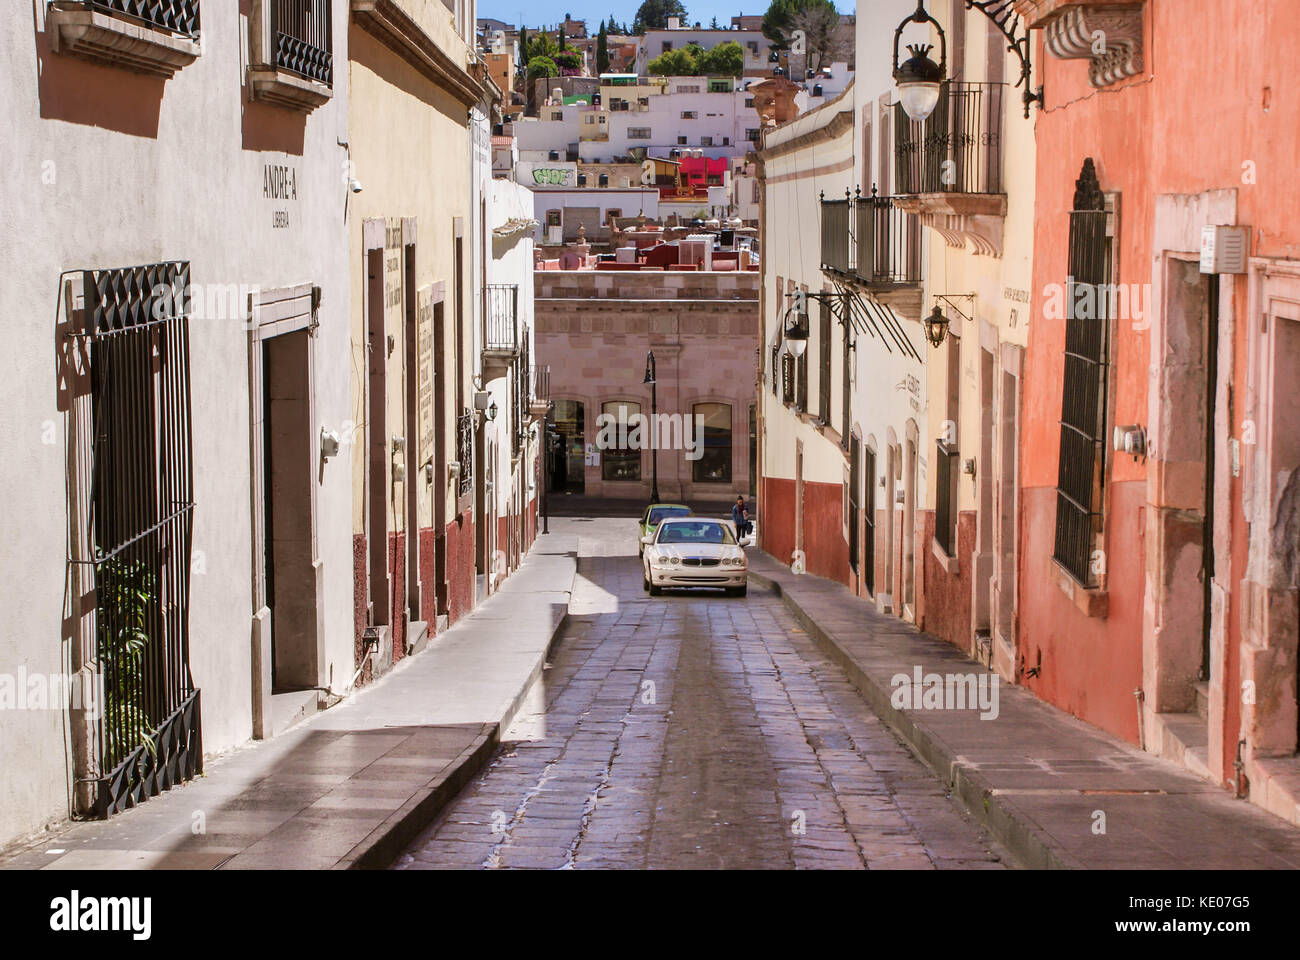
(947, 469)
(824, 365)
(137, 536)
(1082, 466)
(303, 39)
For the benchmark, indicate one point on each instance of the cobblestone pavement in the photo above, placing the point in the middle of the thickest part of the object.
(694, 730)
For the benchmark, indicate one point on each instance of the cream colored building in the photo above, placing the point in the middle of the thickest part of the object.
(413, 88)
(975, 199)
(169, 464)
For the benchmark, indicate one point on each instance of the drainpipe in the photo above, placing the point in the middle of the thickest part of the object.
(1139, 698)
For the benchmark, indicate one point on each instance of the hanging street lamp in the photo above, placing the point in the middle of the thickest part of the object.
(920, 79)
(794, 325)
(936, 326)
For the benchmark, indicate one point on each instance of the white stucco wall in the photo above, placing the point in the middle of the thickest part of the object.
(110, 169)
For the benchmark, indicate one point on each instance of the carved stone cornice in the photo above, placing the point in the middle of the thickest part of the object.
(1108, 33)
(394, 28)
(958, 217)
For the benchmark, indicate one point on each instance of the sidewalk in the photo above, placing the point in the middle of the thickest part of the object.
(351, 786)
(1040, 780)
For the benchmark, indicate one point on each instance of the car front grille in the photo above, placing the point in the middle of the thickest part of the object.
(700, 561)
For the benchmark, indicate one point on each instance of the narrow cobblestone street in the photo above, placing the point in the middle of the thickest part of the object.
(694, 730)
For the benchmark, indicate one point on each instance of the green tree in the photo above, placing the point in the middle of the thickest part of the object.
(602, 51)
(654, 14)
(713, 24)
(724, 60)
(538, 67)
(542, 45)
(817, 19)
(674, 63)
(523, 48)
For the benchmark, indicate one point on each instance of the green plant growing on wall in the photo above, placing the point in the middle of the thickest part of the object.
(126, 591)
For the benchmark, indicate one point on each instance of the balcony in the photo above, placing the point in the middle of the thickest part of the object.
(500, 328)
(539, 390)
(292, 44)
(874, 245)
(948, 168)
(157, 39)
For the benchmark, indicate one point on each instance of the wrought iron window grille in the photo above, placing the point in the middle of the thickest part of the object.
(138, 525)
(177, 16)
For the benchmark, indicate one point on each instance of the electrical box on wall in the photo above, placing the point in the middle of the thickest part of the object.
(1224, 249)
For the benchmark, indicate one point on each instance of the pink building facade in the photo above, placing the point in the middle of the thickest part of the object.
(595, 330)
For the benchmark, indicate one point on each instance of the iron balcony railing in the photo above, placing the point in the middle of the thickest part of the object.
(178, 16)
(835, 234)
(958, 148)
(888, 241)
(540, 383)
(870, 239)
(501, 317)
(303, 35)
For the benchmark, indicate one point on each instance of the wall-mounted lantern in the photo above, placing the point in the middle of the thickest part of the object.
(936, 326)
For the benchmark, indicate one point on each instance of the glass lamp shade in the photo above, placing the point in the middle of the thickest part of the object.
(492, 412)
(919, 98)
(936, 326)
(796, 347)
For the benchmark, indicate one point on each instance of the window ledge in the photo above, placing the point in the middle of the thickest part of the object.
(1091, 601)
(285, 89)
(92, 35)
(951, 565)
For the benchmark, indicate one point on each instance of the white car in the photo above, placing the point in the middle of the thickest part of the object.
(690, 552)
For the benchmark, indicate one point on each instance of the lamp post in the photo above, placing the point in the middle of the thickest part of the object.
(650, 370)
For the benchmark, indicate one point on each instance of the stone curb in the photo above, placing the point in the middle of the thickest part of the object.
(1023, 837)
(386, 842)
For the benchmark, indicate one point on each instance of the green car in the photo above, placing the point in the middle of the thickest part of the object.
(651, 516)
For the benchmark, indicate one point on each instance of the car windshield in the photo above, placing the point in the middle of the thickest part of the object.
(703, 531)
(661, 513)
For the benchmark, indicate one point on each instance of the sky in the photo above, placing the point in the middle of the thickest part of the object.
(551, 12)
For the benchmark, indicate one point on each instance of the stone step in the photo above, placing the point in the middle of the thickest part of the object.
(1203, 700)
(1187, 741)
(292, 707)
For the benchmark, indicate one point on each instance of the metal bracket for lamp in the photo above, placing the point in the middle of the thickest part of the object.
(860, 315)
(1008, 22)
(948, 298)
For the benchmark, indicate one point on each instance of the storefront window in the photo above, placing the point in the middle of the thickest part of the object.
(715, 464)
(621, 460)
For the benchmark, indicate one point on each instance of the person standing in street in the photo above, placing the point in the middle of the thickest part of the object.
(740, 517)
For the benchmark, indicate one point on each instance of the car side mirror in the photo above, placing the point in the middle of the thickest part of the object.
(648, 539)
